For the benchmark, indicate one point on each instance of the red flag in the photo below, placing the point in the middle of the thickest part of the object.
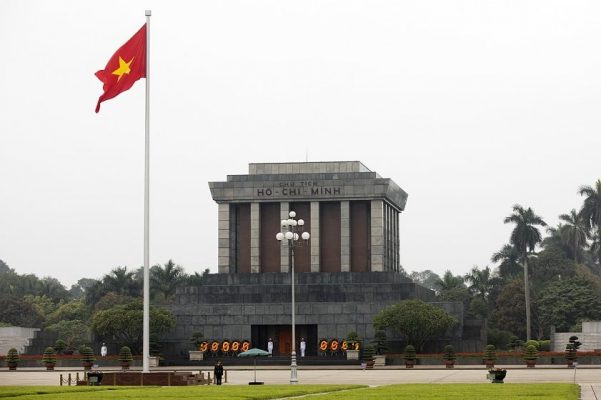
(125, 67)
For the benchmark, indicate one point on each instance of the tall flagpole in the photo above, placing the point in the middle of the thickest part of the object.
(146, 328)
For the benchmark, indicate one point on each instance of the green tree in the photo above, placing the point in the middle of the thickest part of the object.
(525, 236)
(509, 311)
(73, 310)
(123, 323)
(591, 208)
(574, 232)
(567, 302)
(480, 282)
(17, 312)
(426, 278)
(74, 333)
(449, 282)
(416, 321)
(121, 281)
(509, 259)
(197, 279)
(164, 280)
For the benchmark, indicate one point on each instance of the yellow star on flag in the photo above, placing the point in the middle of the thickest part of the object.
(123, 68)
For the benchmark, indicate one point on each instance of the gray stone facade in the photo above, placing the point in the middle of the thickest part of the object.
(346, 273)
(314, 182)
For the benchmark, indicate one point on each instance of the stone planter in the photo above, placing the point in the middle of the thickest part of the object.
(196, 355)
(497, 375)
(530, 363)
(124, 365)
(87, 365)
(409, 363)
(12, 366)
(379, 360)
(49, 366)
(449, 363)
(352, 354)
(489, 363)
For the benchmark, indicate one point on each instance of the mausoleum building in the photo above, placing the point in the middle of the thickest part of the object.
(346, 273)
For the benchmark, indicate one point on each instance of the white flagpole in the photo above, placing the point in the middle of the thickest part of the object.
(146, 327)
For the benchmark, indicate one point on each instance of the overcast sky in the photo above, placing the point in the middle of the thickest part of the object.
(470, 106)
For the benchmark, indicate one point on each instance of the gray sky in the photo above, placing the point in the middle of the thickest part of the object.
(470, 106)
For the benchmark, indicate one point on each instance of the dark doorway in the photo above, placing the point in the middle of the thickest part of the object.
(282, 338)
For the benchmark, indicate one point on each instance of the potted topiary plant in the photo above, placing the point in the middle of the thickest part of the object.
(448, 356)
(12, 358)
(87, 357)
(49, 358)
(409, 356)
(125, 357)
(368, 356)
(530, 355)
(490, 355)
(571, 354)
(380, 347)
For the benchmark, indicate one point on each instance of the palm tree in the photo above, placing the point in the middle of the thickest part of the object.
(525, 236)
(120, 281)
(510, 261)
(591, 209)
(480, 281)
(574, 233)
(165, 280)
(449, 282)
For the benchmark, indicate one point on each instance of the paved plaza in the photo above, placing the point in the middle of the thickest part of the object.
(588, 378)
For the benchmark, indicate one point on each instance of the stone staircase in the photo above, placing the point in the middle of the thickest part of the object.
(17, 337)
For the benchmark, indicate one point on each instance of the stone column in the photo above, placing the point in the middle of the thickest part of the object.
(223, 238)
(284, 210)
(377, 236)
(314, 236)
(345, 237)
(255, 223)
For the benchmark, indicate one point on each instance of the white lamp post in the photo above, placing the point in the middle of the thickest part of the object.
(292, 230)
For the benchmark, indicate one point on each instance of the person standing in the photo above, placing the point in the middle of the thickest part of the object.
(218, 372)
(270, 347)
(303, 346)
(103, 350)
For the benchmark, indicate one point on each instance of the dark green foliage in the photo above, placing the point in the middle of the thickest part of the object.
(409, 354)
(352, 336)
(570, 352)
(123, 323)
(49, 355)
(73, 332)
(380, 342)
(125, 354)
(60, 346)
(18, 312)
(568, 301)
(499, 338)
(86, 354)
(544, 345)
(368, 353)
(12, 356)
(197, 338)
(416, 321)
(532, 343)
(448, 353)
(490, 352)
(531, 353)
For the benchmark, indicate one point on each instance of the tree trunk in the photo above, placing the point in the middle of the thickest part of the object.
(527, 296)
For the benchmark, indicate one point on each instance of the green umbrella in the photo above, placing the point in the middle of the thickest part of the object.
(254, 353)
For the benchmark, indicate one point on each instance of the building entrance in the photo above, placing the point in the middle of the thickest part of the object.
(281, 335)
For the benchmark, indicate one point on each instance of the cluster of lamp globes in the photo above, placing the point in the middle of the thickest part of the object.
(291, 223)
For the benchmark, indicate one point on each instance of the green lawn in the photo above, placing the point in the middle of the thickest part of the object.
(507, 391)
(165, 393)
